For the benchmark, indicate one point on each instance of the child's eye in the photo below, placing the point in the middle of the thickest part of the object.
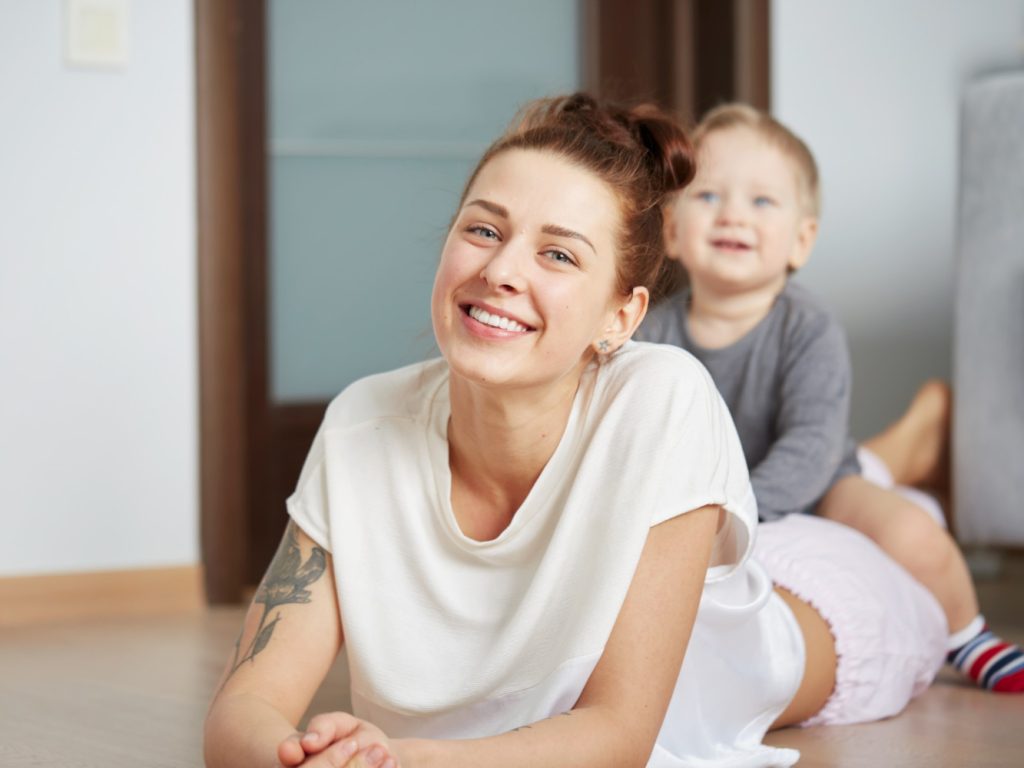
(706, 196)
(763, 201)
(483, 231)
(560, 256)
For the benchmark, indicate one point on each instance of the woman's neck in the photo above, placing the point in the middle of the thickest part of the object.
(498, 444)
(716, 320)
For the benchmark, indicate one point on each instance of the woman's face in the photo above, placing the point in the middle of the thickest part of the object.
(527, 279)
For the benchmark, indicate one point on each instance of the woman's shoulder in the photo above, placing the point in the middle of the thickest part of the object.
(658, 363)
(657, 376)
(403, 393)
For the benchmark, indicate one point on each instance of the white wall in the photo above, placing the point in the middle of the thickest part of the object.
(98, 380)
(874, 87)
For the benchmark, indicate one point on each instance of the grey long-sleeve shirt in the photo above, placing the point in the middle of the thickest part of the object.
(787, 385)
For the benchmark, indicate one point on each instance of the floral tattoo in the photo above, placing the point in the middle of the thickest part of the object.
(285, 582)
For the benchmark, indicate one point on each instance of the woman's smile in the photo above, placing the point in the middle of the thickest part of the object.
(493, 319)
(527, 273)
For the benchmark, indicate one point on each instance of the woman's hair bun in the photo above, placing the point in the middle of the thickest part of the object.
(669, 148)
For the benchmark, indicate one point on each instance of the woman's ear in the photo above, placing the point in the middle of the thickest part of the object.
(623, 321)
(806, 236)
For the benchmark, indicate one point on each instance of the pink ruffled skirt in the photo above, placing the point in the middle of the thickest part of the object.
(890, 632)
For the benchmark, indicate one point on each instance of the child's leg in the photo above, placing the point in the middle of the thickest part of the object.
(915, 447)
(910, 536)
(876, 472)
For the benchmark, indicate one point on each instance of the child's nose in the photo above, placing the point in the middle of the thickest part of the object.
(732, 211)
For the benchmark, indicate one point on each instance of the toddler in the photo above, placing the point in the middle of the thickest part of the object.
(779, 358)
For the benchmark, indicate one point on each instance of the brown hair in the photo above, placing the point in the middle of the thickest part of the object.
(640, 152)
(737, 115)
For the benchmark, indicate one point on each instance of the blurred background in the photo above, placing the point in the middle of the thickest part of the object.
(215, 214)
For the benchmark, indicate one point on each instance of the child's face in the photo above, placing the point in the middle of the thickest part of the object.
(741, 224)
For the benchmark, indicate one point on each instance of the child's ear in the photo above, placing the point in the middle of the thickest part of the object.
(806, 235)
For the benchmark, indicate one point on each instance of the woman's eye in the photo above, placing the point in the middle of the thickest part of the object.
(560, 256)
(763, 201)
(482, 231)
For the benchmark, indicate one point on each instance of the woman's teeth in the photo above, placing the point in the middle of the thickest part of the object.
(496, 321)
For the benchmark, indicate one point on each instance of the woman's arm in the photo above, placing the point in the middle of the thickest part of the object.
(619, 714)
(291, 636)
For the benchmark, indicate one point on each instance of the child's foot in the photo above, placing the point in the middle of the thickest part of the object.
(990, 662)
(916, 446)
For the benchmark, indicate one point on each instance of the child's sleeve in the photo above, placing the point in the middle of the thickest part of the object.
(811, 424)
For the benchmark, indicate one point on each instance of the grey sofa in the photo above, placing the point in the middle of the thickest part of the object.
(988, 360)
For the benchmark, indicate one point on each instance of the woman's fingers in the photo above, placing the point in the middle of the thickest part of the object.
(325, 729)
(336, 740)
(374, 757)
(290, 751)
(341, 754)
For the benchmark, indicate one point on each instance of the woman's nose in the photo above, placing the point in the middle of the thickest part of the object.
(503, 271)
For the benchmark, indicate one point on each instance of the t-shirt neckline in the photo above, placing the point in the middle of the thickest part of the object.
(547, 482)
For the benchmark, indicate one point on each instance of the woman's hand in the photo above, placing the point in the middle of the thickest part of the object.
(338, 740)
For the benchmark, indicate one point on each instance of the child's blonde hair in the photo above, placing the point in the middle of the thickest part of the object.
(736, 115)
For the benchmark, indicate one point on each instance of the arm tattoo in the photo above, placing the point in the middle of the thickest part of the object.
(285, 582)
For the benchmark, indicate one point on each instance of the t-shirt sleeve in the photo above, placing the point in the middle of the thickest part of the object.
(308, 505)
(810, 424)
(703, 464)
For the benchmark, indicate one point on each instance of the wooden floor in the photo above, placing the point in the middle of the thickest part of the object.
(108, 694)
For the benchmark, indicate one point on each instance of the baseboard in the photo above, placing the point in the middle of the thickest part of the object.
(26, 600)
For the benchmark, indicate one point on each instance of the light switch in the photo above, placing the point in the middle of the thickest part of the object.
(96, 33)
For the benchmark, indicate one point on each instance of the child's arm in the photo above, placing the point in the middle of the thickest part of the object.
(810, 423)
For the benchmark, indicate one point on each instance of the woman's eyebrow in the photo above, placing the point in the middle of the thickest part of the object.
(487, 205)
(554, 229)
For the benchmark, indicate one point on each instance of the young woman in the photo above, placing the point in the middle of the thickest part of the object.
(517, 542)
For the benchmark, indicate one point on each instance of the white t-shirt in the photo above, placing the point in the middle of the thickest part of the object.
(449, 637)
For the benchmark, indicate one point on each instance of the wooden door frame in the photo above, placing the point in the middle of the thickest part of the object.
(232, 206)
(684, 55)
(660, 50)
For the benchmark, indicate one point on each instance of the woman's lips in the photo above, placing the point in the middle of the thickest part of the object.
(494, 318)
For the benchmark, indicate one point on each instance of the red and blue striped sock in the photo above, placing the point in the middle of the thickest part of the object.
(989, 661)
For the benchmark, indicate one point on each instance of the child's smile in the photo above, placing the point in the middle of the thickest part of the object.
(740, 226)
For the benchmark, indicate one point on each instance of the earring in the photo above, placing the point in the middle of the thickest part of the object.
(603, 346)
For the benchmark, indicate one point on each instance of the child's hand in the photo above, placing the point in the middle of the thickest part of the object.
(337, 740)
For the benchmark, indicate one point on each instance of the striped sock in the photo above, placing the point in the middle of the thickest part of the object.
(989, 661)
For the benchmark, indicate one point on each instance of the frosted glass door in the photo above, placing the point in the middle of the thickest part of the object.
(378, 109)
